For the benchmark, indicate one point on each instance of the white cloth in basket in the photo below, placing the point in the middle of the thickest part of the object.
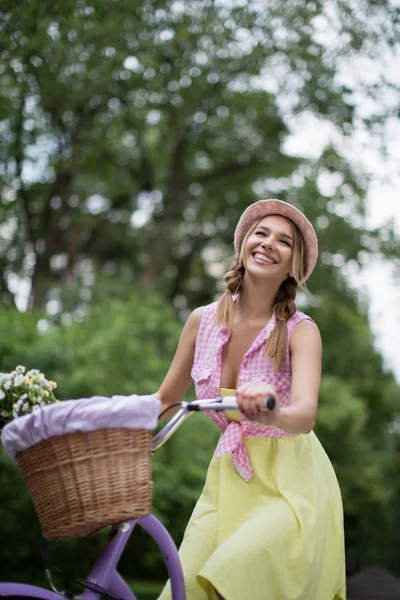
(85, 414)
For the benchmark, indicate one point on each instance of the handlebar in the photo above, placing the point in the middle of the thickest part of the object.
(187, 408)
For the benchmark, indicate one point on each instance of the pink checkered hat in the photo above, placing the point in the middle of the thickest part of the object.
(262, 209)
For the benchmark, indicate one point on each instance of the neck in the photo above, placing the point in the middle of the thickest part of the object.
(256, 301)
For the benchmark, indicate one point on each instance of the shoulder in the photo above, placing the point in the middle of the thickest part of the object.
(195, 317)
(191, 328)
(201, 319)
(199, 315)
(304, 333)
(206, 313)
(298, 320)
(298, 317)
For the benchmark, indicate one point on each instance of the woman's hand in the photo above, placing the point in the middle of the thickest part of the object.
(251, 398)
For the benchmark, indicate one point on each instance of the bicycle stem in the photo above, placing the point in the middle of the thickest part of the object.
(170, 428)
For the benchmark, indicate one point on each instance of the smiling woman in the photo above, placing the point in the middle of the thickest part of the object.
(274, 240)
(269, 522)
(270, 241)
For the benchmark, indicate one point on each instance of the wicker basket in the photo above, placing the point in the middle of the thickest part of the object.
(81, 482)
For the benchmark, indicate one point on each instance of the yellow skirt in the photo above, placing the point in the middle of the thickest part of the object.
(277, 537)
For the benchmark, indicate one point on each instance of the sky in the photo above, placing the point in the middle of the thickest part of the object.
(377, 154)
(377, 280)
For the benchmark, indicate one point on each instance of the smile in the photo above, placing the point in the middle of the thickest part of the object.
(265, 259)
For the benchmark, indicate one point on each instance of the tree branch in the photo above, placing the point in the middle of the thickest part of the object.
(225, 171)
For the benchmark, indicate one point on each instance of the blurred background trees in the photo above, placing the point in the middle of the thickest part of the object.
(132, 137)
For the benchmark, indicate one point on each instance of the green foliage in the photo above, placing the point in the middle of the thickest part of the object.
(20, 558)
(358, 403)
(342, 425)
(146, 590)
(131, 140)
(121, 348)
(19, 332)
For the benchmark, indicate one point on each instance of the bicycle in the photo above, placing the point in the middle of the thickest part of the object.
(104, 579)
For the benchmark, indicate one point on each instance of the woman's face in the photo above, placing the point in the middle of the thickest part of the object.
(268, 250)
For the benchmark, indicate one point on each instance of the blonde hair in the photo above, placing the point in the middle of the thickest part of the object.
(284, 304)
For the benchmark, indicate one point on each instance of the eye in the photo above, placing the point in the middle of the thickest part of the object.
(260, 232)
(285, 242)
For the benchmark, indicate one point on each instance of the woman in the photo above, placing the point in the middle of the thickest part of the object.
(269, 522)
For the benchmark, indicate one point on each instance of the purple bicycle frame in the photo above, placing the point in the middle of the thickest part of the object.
(104, 573)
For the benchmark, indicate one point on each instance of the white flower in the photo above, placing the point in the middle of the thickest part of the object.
(19, 380)
(16, 408)
(33, 373)
(18, 404)
(23, 392)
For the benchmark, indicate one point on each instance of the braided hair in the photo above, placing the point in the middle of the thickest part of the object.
(284, 304)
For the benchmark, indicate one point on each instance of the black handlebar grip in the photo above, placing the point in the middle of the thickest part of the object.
(269, 403)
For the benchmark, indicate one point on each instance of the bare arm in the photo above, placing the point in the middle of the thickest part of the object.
(178, 379)
(299, 417)
(306, 354)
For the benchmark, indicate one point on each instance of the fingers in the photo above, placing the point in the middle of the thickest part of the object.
(251, 397)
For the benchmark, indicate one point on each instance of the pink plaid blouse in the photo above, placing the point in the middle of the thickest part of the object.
(206, 374)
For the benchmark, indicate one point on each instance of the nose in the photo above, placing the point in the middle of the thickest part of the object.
(268, 242)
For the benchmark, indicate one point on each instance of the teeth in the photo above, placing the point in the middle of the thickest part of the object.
(264, 258)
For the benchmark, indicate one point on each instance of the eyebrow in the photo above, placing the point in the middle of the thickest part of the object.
(281, 234)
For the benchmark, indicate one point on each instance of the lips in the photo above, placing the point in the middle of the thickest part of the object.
(258, 257)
